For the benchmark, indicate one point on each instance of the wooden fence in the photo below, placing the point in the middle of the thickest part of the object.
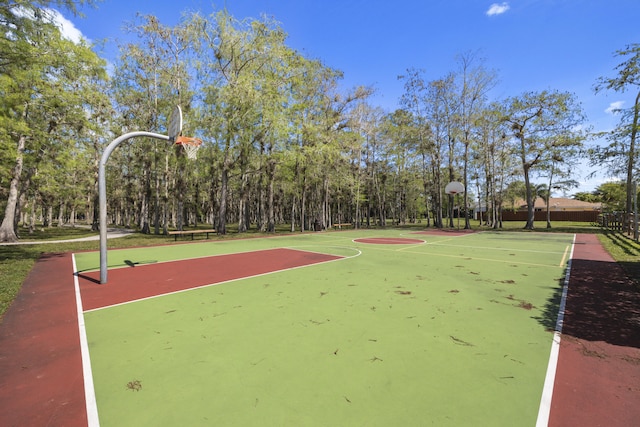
(575, 216)
(619, 221)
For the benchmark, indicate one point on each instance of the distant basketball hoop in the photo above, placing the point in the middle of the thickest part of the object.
(454, 188)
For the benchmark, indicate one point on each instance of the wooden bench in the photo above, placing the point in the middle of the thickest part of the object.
(346, 224)
(192, 232)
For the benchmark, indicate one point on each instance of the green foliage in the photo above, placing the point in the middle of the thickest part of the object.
(612, 195)
(47, 85)
(543, 125)
(621, 156)
(586, 197)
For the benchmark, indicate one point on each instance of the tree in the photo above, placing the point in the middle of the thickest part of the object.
(151, 77)
(623, 138)
(475, 82)
(558, 167)
(537, 120)
(585, 196)
(433, 107)
(611, 195)
(244, 68)
(405, 161)
(43, 102)
(494, 161)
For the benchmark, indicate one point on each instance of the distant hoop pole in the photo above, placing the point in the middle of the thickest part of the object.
(102, 190)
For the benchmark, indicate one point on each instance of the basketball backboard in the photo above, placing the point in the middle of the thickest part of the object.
(175, 123)
(454, 187)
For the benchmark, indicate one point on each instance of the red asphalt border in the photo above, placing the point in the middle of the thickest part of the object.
(597, 378)
(150, 280)
(41, 379)
(598, 373)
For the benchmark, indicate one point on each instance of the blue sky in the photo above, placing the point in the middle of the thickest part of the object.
(533, 45)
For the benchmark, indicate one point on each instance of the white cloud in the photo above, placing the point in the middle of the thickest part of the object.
(498, 9)
(614, 106)
(68, 30)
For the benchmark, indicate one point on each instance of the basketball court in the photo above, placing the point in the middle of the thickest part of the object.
(344, 328)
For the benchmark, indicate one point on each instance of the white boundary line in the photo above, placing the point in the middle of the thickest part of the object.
(142, 263)
(357, 251)
(222, 283)
(547, 391)
(89, 392)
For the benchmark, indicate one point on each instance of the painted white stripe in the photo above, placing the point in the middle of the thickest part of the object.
(222, 283)
(549, 381)
(89, 391)
(494, 248)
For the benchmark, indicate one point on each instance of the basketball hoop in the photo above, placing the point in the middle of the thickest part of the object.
(454, 188)
(190, 145)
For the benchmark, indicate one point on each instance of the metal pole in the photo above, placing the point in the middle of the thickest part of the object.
(102, 191)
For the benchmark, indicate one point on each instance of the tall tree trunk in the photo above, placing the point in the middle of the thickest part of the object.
(156, 200)
(61, 213)
(437, 192)
(271, 221)
(7, 229)
(144, 215)
(303, 201)
(32, 218)
(165, 197)
(530, 200)
(451, 198)
(146, 198)
(632, 148)
(243, 204)
(72, 215)
(49, 217)
(549, 196)
(293, 212)
(465, 198)
(222, 210)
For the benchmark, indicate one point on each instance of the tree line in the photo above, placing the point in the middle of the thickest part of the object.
(284, 143)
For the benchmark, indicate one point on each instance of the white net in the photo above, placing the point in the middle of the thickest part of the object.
(190, 146)
(191, 150)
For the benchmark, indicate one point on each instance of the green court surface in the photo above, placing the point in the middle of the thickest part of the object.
(450, 332)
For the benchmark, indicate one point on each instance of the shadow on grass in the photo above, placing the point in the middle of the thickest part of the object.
(19, 252)
(623, 243)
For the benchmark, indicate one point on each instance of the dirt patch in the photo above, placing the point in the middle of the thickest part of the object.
(135, 385)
